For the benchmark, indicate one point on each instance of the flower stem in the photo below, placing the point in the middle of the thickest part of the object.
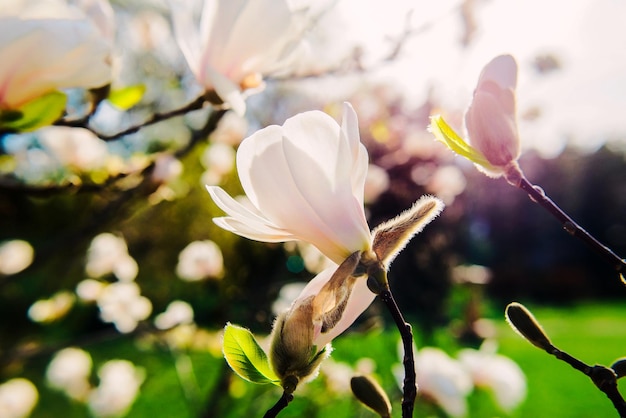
(604, 378)
(409, 386)
(537, 194)
(279, 406)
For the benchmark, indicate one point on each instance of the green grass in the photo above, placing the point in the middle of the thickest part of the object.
(592, 333)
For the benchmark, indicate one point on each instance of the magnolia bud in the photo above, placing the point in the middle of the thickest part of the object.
(369, 392)
(527, 326)
(491, 118)
(293, 355)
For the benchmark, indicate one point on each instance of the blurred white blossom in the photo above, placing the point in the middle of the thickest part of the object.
(200, 260)
(15, 256)
(52, 309)
(18, 397)
(109, 254)
(120, 381)
(122, 304)
(286, 295)
(89, 290)
(178, 312)
(78, 148)
(231, 129)
(219, 160)
(166, 168)
(497, 373)
(48, 45)
(440, 378)
(237, 43)
(376, 183)
(69, 372)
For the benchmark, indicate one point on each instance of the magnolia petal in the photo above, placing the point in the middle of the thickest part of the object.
(260, 28)
(186, 33)
(492, 125)
(502, 70)
(245, 222)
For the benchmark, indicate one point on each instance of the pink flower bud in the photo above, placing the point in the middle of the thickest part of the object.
(491, 118)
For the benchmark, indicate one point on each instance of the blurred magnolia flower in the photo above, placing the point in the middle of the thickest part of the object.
(447, 182)
(89, 290)
(49, 310)
(78, 148)
(200, 260)
(15, 256)
(376, 183)
(237, 44)
(219, 160)
(497, 373)
(166, 168)
(46, 46)
(287, 294)
(178, 312)
(119, 385)
(69, 371)
(231, 129)
(314, 260)
(338, 375)
(440, 378)
(109, 254)
(491, 121)
(122, 304)
(18, 397)
(305, 180)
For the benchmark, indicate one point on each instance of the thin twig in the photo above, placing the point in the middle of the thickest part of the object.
(538, 195)
(279, 406)
(198, 103)
(409, 386)
(604, 378)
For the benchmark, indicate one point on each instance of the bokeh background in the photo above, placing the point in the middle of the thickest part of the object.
(114, 243)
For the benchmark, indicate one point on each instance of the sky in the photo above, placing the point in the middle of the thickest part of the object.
(580, 103)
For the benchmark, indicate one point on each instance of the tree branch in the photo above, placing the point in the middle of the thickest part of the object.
(409, 386)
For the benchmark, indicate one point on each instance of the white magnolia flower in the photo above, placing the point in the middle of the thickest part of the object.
(178, 312)
(496, 372)
(69, 371)
(238, 42)
(305, 180)
(122, 304)
(18, 397)
(15, 256)
(120, 381)
(200, 260)
(107, 254)
(46, 46)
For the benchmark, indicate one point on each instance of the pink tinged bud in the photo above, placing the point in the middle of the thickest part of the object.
(327, 306)
(491, 118)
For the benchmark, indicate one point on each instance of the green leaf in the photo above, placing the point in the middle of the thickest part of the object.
(246, 357)
(127, 97)
(42, 111)
(444, 133)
